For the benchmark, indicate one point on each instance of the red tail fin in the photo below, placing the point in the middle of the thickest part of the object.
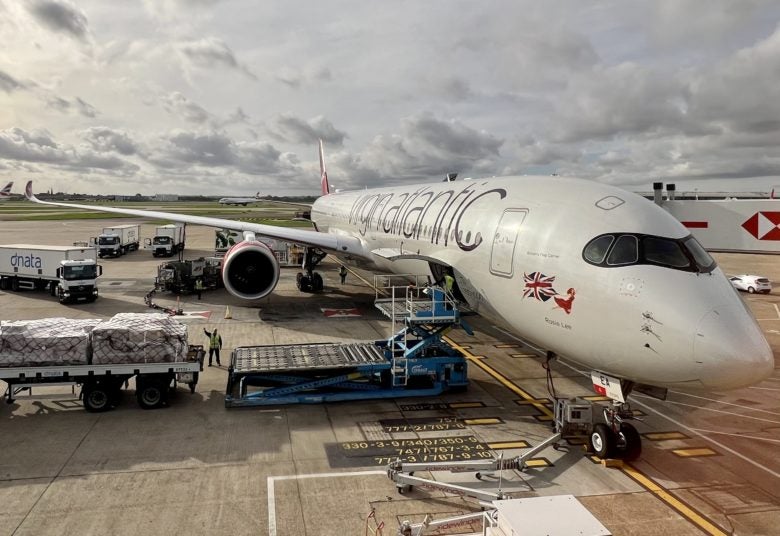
(323, 173)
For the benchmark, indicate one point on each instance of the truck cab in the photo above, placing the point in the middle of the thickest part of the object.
(109, 245)
(77, 280)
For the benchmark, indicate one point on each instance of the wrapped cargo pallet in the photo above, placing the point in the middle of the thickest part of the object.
(139, 338)
(45, 342)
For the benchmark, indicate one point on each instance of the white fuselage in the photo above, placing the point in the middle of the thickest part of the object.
(515, 245)
(237, 200)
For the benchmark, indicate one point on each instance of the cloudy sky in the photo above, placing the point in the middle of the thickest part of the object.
(230, 96)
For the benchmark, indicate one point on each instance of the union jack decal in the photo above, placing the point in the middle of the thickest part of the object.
(538, 286)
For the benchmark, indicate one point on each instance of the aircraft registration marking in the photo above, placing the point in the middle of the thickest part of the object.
(426, 406)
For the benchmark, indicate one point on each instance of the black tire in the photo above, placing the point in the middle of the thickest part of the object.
(317, 283)
(4, 283)
(151, 394)
(602, 441)
(96, 397)
(53, 288)
(304, 284)
(14, 284)
(751, 290)
(631, 441)
(298, 279)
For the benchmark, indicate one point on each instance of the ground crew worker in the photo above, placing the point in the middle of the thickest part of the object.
(449, 281)
(198, 286)
(343, 274)
(215, 343)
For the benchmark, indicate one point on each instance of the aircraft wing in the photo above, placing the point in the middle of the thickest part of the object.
(332, 242)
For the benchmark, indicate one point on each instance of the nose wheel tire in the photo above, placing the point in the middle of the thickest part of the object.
(602, 441)
(631, 442)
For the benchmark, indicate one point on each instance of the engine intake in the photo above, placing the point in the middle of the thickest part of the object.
(250, 270)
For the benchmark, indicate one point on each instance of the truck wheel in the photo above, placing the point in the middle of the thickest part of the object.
(151, 394)
(4, 283)
(53, 288)
(14, 284)
(96, 398)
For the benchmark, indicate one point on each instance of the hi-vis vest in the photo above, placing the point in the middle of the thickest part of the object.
(449, 281)
(214, 340)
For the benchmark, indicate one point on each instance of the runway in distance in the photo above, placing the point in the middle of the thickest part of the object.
(589, 272)
(239, 200)
(5, 193)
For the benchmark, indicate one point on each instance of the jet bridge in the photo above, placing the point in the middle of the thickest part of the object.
(413, 362)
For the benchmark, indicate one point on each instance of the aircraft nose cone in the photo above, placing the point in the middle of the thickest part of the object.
(731, 349)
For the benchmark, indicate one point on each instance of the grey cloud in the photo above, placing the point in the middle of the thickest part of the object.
(60, 17)
(17, 144)
(210, 149)
(65, 106)
(85, 109)
(427, 147)
(293, 129)
(211, 52)
(104, 139)
(8, 83)
(295, 77)
(179, 105)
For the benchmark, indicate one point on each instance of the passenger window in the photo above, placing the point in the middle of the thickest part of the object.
(665, 252)
(625, 251)
(597, 249)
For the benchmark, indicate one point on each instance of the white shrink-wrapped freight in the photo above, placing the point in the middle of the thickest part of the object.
(139, 338)
(45, 342)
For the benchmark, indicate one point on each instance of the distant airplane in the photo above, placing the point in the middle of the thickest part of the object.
(578, 269)
(240, 200)
(5, 193)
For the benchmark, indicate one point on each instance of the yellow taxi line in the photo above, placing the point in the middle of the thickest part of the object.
(683, 509)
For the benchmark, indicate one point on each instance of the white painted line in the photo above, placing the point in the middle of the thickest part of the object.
(777, 310)
(764, 388)
(748, 408)
(272, 494)
(754, 438)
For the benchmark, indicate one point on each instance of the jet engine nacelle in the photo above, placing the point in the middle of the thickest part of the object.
(250, 270)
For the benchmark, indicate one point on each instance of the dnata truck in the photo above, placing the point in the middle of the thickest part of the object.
(168, 240)
(116, 241)
(70, 273)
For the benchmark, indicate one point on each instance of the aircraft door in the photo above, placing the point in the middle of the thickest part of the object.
(504, 241)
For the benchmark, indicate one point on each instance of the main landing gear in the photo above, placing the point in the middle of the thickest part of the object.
(311, 281)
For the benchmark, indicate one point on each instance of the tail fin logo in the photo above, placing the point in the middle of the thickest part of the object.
(5, 193)
(323, 173)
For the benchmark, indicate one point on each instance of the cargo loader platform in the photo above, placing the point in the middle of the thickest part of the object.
(413, 362)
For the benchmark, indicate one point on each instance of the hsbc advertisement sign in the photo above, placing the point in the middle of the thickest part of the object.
(742, 225)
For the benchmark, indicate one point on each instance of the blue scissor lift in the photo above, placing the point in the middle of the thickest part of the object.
(414, 361)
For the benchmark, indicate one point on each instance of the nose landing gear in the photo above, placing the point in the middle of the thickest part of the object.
(617, 438)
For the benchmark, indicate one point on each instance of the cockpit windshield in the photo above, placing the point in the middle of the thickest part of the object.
(626, 249)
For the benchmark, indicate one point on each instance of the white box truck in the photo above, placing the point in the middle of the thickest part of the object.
(70, 273)
(116, 241)
(168, 240)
